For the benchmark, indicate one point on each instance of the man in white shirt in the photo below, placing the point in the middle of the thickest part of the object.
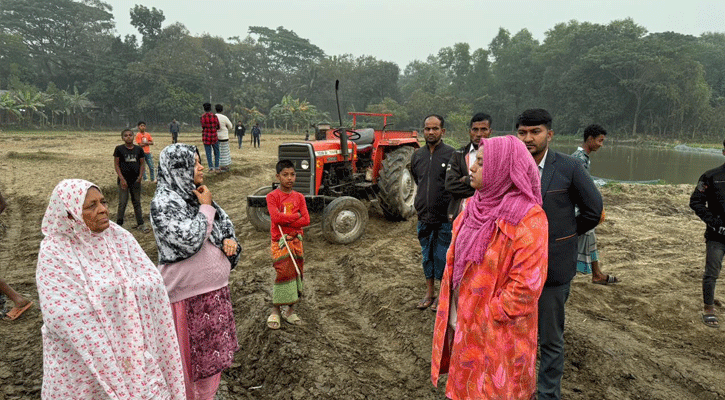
(225, 125)
(458, 180)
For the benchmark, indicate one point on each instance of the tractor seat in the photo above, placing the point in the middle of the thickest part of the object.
(364, 148)
(367, 137)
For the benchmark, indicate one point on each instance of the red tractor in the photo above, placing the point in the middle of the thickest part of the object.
(335, 174)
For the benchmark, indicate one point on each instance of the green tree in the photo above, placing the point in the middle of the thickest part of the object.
(62, 50)
(286, 51)
(30, 101)
(517, 75)
(14, 59)
(147, 22)
(9, 108)
(400, 118)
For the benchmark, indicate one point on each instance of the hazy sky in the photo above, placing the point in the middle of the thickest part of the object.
(403, 31)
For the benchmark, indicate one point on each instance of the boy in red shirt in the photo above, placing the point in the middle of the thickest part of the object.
(288, 211)
(145, 140)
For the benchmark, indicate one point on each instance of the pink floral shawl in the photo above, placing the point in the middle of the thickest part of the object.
(108, 332)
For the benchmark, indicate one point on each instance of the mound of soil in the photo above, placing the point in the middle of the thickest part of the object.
(362, 337)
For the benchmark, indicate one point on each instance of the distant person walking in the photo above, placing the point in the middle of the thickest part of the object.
(428, 167)
(225, 125)
(174, 129)
(209, 128)
(256, 133)
(145, 140)
(588, 257)
(708, 202)
(239, 132)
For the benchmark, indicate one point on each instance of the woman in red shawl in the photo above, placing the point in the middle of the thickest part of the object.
(486, 325)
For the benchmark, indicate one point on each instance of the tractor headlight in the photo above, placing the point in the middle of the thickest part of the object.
(305, 164)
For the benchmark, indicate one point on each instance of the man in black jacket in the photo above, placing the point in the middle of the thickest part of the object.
(458, 179)
(564, 184)
(708, 202)
(428, 166)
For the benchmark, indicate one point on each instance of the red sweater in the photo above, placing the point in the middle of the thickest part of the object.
(288, 210)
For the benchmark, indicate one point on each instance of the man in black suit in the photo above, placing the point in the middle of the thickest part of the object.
(564, 184)
(458, 178)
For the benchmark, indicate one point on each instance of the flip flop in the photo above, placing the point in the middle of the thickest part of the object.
(293, 319)
(425, 303)
(611, 279)
(273, 321)
(710, 320)
(13, 314)
(434, 306)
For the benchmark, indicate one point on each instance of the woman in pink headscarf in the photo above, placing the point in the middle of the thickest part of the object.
(107, 326)
(486, 325)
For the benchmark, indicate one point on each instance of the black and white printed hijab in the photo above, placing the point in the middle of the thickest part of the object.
(179, 227)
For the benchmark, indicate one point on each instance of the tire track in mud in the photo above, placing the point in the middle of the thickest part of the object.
(361, 337)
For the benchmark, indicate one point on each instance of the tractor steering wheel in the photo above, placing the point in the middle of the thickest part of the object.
(352, 134)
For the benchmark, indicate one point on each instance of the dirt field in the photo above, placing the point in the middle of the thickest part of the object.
(641, 339)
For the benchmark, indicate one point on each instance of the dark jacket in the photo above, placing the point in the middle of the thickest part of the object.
(458, 168)
(429, 173)
(565, 184)
(708, 202)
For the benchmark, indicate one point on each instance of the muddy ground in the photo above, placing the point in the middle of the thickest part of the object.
(640, 339)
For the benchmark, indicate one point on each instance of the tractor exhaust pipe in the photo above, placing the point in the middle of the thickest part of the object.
(341, 130)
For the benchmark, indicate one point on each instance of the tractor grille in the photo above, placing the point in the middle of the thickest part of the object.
(298, 152)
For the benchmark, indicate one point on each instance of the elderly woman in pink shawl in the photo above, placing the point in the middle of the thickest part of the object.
(107, 326)
(486, 324)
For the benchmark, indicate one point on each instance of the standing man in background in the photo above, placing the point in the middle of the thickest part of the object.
(239, 132)
(256, 133)
(428, 167)
(565, 184)
(145, 140)
(458, 179)
(209, 128)
(174, 129)
(588, 256)
(225, 125)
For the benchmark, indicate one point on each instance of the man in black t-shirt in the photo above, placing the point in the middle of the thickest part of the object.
(129, 162)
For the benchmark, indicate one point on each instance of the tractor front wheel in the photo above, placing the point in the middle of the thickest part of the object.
(259, 216)
(396, 184)
(344, 220)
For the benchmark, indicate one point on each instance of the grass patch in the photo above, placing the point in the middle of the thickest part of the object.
(39, 156)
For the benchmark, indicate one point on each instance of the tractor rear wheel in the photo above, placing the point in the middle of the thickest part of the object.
(259, 216)
(344, 220)
(396, 184)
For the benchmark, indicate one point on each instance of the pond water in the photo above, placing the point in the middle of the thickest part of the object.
(641, 163)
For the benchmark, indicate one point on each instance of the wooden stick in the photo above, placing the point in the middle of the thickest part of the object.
(292, 256)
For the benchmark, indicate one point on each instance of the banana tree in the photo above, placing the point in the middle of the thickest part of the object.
(31, 102)
(9, 107)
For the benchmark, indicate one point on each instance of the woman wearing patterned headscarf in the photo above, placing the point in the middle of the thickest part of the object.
(107, 328)
(486, 325)
(197, 250)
